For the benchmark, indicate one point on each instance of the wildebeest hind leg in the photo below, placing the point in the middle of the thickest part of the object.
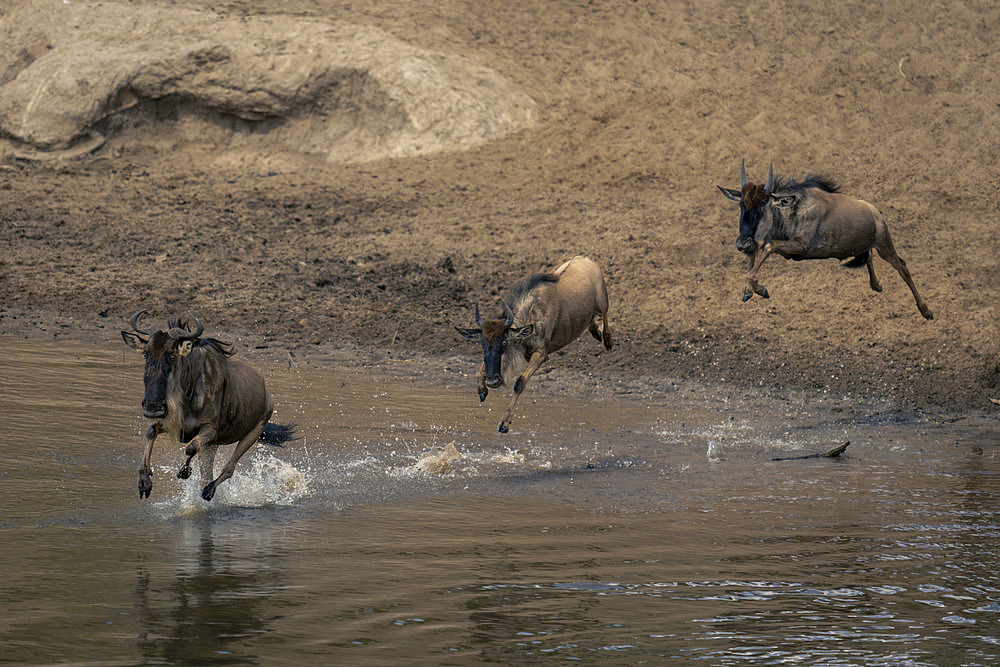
(603, 335)
(872, 280)
(241, 448)
(887, 252)
(206, 463)
(594, 331)
(533, 365)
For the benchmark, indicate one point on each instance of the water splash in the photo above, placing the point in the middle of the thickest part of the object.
(439, 460)
(715, 450)
(268, 480)
(260, 480)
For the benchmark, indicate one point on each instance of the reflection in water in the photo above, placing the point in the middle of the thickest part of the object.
(399, 530)
(215, 601)
(494, 620)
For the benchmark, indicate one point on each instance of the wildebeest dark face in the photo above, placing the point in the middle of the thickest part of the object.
(755, 201)
(162, 353)
(495, 335)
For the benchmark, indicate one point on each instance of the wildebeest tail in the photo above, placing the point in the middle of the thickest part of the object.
(277, 434)
(859, 261)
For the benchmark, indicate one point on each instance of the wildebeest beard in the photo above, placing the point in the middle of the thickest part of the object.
(754, 201)
(178, 383)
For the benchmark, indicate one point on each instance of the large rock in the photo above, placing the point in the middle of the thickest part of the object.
(74, 75)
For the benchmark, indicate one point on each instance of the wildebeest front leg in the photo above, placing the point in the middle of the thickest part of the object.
(753, 287)
(481, 382)
(206, 434)
(533, 365)
(790, 248)
(241, 448)
(146, 471)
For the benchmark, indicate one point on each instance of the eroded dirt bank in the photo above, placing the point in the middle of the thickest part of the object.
(642, 110)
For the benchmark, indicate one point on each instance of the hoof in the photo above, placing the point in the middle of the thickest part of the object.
(763, 293)
(145, 486)
(746, 296)
(502, 428)
(482, 394)
(209, 491)
(926, 312)
(184, 472)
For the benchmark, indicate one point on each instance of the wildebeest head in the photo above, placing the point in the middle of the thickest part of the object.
(163, 351)
(755, 205)
(495, 334)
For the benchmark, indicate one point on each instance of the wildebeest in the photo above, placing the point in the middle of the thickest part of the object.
(540, 315)
(811, 219)
(196, 393)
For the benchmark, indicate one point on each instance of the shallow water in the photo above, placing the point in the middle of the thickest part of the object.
(401, 528)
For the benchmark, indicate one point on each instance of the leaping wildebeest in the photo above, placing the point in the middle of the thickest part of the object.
(201, 397)
(540, 315)
(811, 219)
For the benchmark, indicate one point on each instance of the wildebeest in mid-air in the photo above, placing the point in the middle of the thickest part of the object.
(538, 316)
(811, 219)
(200, 396)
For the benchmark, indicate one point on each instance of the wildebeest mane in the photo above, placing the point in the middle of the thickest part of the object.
(786, 184)
(518, 291)
(222, 347)
(515, 361)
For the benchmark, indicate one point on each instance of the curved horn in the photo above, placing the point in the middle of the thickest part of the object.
(135, 322)
(769, 186)
(479, 320)
(743, 173)
(181, 334)
(510, 313)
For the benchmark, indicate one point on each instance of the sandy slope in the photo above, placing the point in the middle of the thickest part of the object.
(642, 108)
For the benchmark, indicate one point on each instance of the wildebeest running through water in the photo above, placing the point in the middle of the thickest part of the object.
(540, 315)
(200, 396)
(811, 219)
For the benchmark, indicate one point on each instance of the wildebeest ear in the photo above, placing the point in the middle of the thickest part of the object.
(523, 332)
(471, 334)
(731, 195)
(184, 347)
(134, 341)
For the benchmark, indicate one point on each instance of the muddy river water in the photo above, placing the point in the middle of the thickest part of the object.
(401, 528)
